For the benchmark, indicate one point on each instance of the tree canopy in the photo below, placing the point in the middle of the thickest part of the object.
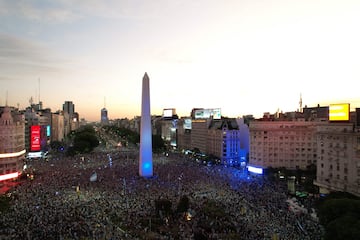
(84, 140)
(341, 218)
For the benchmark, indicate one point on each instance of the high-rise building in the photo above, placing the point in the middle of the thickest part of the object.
(71, 118)
(12, 144)
(57, 126)
(104, 116)
(69, 107)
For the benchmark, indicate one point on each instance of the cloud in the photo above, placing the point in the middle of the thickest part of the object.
(22, 57)
(46, 12)
(67, 11)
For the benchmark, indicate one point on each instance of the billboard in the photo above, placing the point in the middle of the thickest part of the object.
(187, 123)
(48, 130)
(168, 112)
(339, 112)
(215, 113)
(35, 143)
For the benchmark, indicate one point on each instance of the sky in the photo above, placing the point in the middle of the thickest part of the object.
(243, 56)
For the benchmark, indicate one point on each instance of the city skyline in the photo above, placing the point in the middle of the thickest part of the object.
(245, 57)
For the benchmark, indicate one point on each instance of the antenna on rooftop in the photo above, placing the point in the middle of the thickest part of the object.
(300, 103)
(31, 101)
(6, 100)
(39, 89)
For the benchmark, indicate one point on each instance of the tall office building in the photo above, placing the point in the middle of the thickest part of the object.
(71, 118)
(57, 126)
(69, 107)
(104, 116)
(145, 160)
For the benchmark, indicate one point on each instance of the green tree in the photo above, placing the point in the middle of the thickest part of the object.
(340, 217)
(56, 145)
(158, 144)
(84, 140)
(336, 208)
(344, 227)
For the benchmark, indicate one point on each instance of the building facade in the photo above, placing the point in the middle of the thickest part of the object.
(104, 116)
(57, 127)
(71, 118)
(184, 134)
(225, 138)
(289, 144)
(224, 141)
(199, 134)
(338, 158)
(12, 144)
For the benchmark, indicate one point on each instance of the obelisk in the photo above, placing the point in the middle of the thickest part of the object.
(145, 160)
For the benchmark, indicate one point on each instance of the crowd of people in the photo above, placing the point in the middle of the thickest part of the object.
(63, 202)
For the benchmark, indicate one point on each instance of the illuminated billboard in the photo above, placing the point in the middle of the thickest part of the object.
(187, 123)
(339, 112)
(48, 130)
(215, 113)
(168, 112)
(256, 170)
(35, 143)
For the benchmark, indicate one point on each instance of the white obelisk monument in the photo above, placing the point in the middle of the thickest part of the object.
(145, 160)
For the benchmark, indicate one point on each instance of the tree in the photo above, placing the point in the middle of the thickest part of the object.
(158, 144)
(336, 208)
(344, 227)
(56, 146)
(84, 140)
(340, 217)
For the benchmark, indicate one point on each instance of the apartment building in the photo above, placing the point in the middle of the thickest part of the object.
(223, 141)
(289, 144)
(225, 138)
(338, 158)
(12, 144)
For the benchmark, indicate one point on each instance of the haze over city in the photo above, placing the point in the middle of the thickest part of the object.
(245, 57)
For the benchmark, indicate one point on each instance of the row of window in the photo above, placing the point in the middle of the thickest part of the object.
(280, 160)
(7, 165)
(7, 171)
(345, 178)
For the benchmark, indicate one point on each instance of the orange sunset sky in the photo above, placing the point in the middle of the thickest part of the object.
(243, 56)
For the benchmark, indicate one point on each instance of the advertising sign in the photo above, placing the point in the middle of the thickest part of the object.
(339, 112)
(35, 143)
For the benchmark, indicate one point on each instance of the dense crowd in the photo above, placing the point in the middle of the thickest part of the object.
(62, 203)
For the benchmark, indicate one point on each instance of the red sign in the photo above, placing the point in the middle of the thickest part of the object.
(35, 143)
